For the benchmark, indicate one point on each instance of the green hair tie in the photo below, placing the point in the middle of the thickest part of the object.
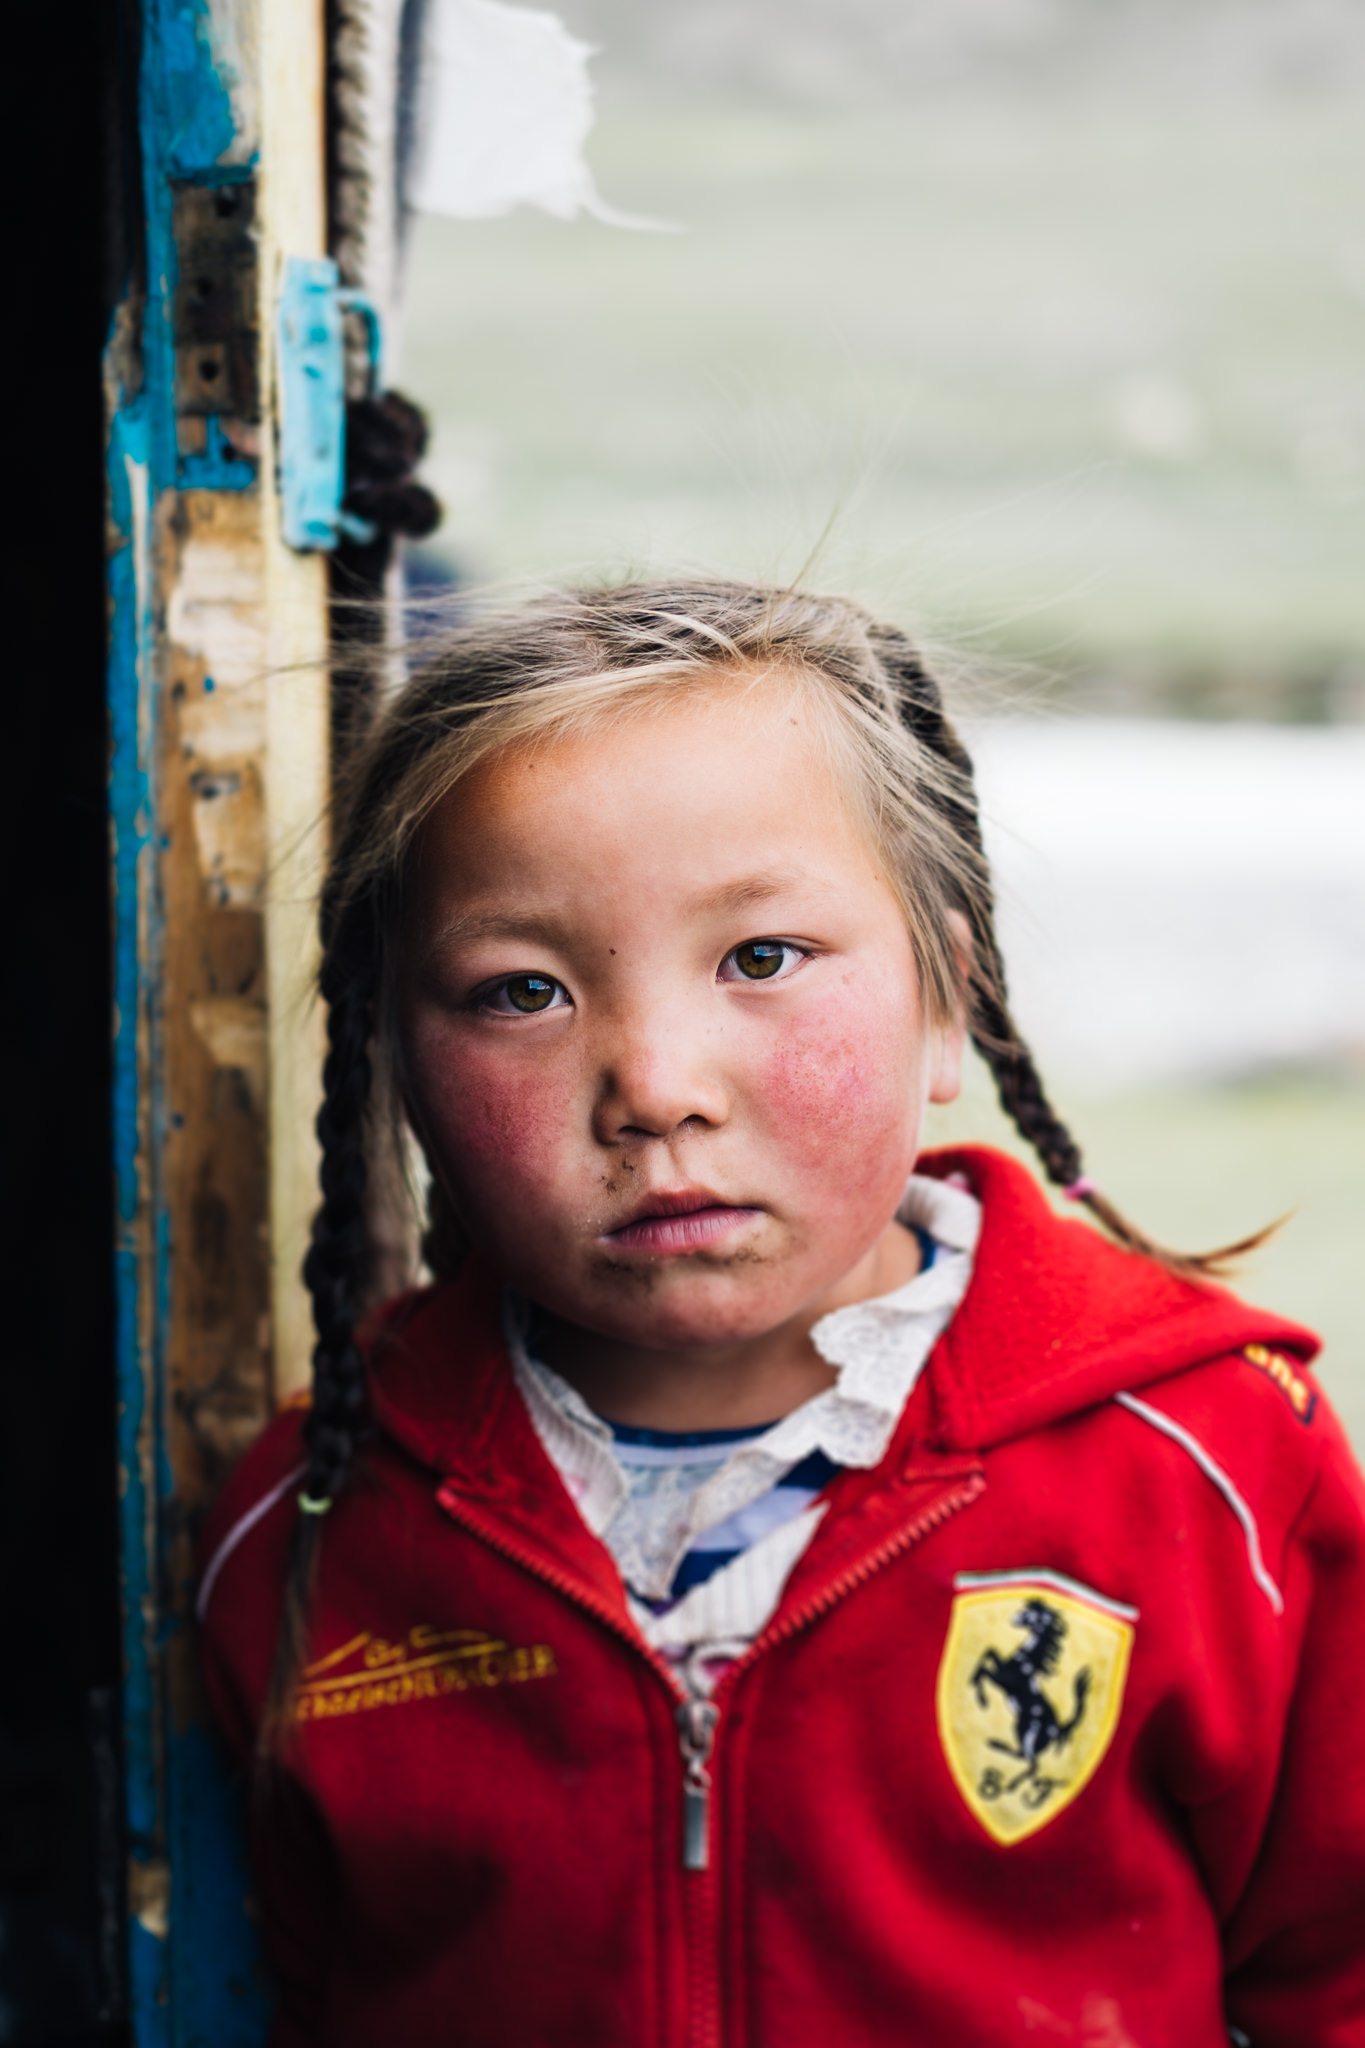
(311, 1506)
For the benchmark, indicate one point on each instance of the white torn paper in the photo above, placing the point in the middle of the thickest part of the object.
(505, 107)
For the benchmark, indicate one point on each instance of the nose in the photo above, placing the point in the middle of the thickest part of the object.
(658, 1078)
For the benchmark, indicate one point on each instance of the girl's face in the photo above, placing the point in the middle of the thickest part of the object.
(662, 1024)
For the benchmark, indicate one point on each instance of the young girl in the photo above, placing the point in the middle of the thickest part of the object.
(776, 1589)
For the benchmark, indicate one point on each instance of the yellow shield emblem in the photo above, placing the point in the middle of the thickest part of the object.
(1029, 1693)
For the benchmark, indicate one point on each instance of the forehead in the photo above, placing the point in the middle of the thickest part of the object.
(681, 795)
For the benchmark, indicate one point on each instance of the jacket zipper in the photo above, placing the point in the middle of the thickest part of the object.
(697, 1720)
(830, 1595)
(695, 1717)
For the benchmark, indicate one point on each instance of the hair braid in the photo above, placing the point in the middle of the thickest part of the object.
(993, 1031)
(335, 1267)
(335, 1271)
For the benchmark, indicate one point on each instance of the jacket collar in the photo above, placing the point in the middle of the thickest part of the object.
(441, 1387)
(1055, 1320)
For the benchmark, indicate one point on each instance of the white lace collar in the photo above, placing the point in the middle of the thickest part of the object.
(877, 1347)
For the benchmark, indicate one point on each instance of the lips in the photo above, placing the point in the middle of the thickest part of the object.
(682, 1220)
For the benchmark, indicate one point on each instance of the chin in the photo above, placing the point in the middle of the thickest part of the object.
(666, 1310)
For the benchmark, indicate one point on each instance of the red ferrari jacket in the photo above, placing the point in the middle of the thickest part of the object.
(1057, 1733)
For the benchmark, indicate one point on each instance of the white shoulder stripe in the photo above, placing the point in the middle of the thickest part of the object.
(243, 1526)
(966, 1582)
(1214, 1471)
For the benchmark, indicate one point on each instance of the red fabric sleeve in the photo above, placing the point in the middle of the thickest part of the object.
(297, 1884)
(292, 1862)
(1295, 1944)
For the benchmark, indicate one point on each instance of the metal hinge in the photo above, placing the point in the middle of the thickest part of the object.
(312, 396)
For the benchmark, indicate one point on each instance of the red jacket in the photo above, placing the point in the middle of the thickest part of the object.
(1057, 1734)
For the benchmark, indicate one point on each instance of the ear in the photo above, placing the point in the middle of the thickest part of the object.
(950, 1038)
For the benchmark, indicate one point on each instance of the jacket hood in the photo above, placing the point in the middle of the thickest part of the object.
(1055, 1320)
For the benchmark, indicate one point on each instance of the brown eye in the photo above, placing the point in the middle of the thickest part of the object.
(759, 959)
(523, 995)
(528, 992)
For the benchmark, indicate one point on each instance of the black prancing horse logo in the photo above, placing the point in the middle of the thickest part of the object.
(1037, 1726)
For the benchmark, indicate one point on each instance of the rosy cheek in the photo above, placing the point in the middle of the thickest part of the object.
(497, 1123)
(841, 1078)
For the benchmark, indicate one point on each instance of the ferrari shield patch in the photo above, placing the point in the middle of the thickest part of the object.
(1029, 1693)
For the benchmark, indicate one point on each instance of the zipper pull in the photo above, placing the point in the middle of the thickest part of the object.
(696, 1735)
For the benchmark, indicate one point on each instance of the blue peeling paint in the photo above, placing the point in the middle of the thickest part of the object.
(194, 103)
(219, 1991)
(186, 126)
(130, 818)
(132, 806)
(198, 1985)
(155, 123)
(217, 468)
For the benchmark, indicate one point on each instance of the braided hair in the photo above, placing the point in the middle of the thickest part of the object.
(558, 664)
(993, 1031)
(335, 1272)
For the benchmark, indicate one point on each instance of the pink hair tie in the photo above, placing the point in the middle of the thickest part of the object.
(1077, 1190)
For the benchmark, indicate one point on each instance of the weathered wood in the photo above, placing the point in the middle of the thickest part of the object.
(292, 53)
(219, 709)
(215, 1040)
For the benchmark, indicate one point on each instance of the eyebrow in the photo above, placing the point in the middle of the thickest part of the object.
(467, 927)
(750, 891)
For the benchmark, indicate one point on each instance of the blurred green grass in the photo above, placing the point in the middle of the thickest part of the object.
(1203, 1166)
(1085, 385)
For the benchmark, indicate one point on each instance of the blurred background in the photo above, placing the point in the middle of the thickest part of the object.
(1040, 326)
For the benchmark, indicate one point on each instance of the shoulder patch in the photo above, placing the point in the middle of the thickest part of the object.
(1301, 1397)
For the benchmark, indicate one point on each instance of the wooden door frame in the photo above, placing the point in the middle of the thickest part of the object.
(218, 707)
